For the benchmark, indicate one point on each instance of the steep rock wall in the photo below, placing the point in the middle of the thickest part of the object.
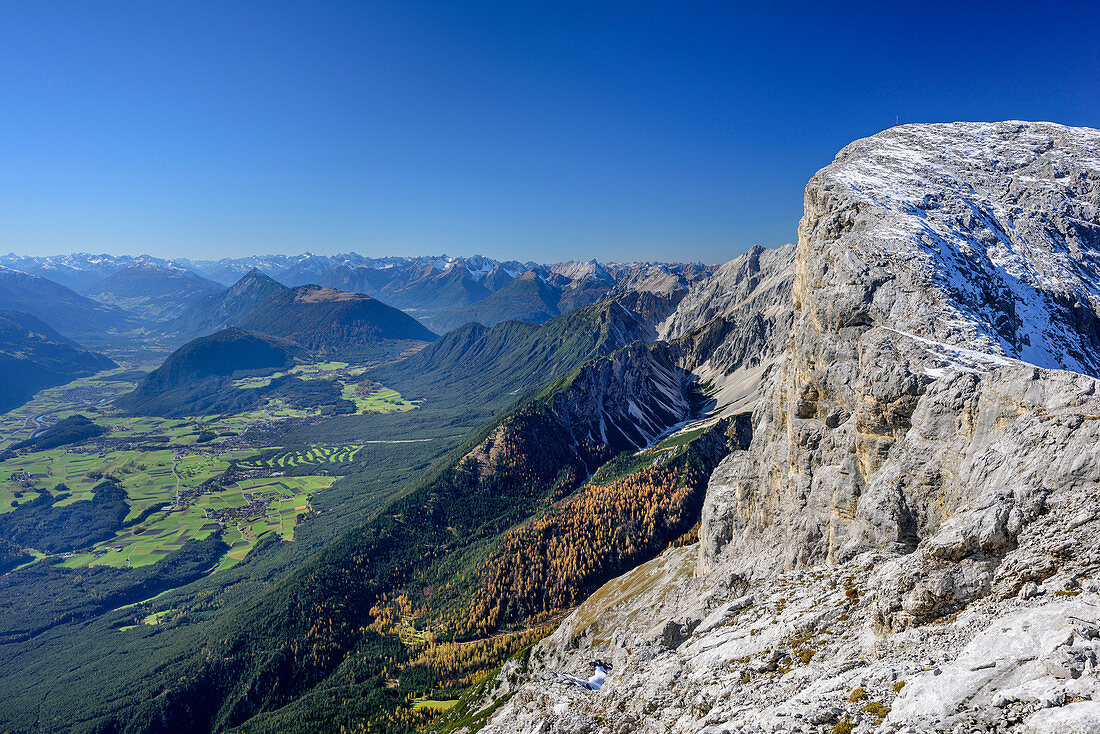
(901, 397)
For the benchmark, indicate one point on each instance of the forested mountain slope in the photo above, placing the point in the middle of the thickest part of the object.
(330, 323)
(176, 674)
(196, 378)
(526, 298)
(477, 364)
(335, 323)
(329, 621)
(33, 356)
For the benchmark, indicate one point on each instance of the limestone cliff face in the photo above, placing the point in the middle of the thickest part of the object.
(901, 397)
(926, 448)
(738, 322)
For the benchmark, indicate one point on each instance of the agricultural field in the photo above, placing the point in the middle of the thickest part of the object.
(368, 396)
(315, 371)
(247, 510)
(377, 400)
(62, 401)
(313, 456)
(146, 475)
(173, 470)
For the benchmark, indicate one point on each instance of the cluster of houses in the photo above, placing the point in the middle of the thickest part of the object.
(25, 479)
(256, 506)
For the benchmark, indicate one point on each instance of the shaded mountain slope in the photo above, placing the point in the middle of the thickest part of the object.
(80, 270)
(195, 379)
(477, 364)
(580, 293)
(332, 322)
(451, 288)
(326, 321)
(227, 308)
(33, 357)
(152, 291)
(526, 298)
(497, 278)
(357, 278)
(71, 314)
(752, 296)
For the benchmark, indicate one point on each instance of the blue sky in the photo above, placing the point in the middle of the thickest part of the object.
(546, 131)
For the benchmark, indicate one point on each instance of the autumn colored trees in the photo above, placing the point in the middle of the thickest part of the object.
(557, 559)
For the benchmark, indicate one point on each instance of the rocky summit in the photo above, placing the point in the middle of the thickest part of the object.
(911, 540)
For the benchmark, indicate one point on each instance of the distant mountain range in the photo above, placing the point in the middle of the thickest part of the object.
(526, 298)
(76, 270)
(442, 292)
(33, 357)
(152, 291)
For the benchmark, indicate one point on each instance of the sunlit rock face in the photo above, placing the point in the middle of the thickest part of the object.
(919, 506)
(938, 266)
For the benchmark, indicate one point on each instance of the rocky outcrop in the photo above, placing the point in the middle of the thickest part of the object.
(899, 400)
(738, 321)
(919, 499)
(620, 402)
(627, 399)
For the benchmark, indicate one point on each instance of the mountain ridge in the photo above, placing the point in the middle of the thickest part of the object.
(443, 291)
(326, 321)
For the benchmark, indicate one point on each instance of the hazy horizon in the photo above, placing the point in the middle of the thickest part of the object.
(449, 255)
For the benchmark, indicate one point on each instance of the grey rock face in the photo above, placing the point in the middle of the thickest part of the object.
(740, 318)
(627, 399)
(979, 235)
(753, 293)
(899, 403)
(917, 518)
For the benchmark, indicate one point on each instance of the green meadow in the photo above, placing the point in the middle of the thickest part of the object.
(368, 398)
(380, 400)
(167, 531)
(159, 457)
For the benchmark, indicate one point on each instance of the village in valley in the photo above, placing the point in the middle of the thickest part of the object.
(184, 478)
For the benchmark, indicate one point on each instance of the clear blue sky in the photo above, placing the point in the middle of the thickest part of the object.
(668, 130)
